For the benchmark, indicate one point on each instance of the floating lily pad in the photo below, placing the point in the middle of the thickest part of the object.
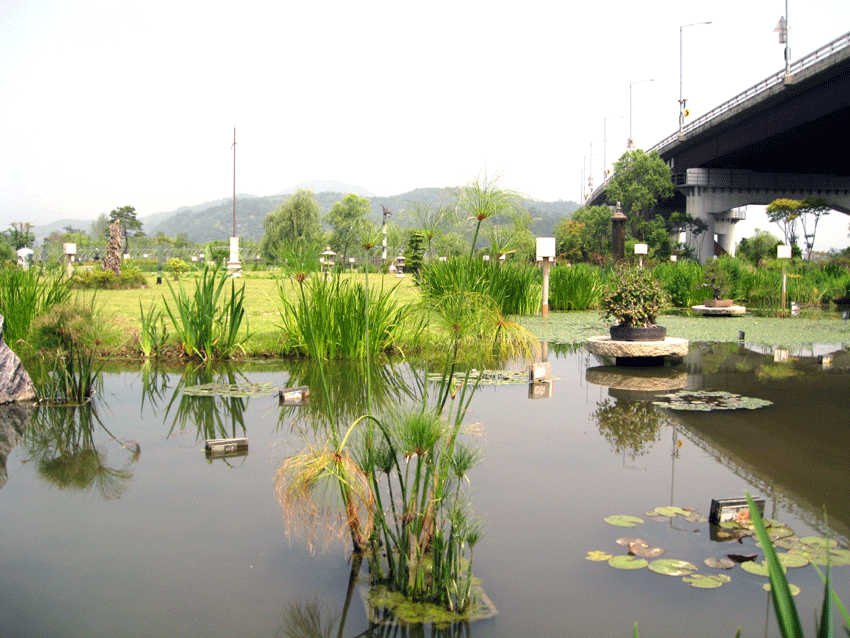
(627, 562)
(706, 581)
(231, 390)
(794, 589)
(696, 518)
(625, 541)
(672, 567)
(817, 541)
(671, 511)
(759, 569)
(645, 551)
(789, 559)
(598, 555)
(624, 521)
(839, 557)
(719, 563)
(706, 400)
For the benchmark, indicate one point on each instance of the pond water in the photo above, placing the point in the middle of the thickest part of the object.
(150, 537)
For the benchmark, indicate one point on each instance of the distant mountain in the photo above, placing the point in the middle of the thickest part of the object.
(213, 220)
(328, 186)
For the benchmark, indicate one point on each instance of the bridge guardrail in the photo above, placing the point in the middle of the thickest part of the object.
(819, 55)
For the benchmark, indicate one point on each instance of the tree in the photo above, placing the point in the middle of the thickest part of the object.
(814, 208)
(346, 217)
(21, 235)
(784, 213)
(760, 246)
(99, 226)
(587, 236)
(127, 216)
(640, 181)
(297, 217)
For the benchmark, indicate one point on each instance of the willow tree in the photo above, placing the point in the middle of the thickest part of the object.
(296, 218)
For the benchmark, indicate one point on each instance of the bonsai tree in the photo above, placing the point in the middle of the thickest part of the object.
(633, 297)
(717, 279)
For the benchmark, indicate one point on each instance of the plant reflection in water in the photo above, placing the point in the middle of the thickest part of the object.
(61, 439)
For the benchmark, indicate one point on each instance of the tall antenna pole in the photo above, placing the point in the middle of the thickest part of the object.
(234, 181)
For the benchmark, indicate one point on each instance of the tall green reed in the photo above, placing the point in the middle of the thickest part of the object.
(577, 287)
(26, 295)
(208, 323)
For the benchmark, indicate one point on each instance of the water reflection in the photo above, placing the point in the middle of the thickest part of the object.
(14, 418)
(629, 426)
(211, 416)
(348, 385)
(61, 439)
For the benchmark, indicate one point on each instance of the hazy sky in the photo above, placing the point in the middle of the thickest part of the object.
(106, 104)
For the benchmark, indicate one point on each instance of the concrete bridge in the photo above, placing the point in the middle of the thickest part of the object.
(786, 137)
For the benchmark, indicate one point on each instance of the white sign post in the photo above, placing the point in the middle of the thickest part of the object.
(546, 253)
(783, 251)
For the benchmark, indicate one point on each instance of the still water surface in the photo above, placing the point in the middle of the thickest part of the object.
(158, 540)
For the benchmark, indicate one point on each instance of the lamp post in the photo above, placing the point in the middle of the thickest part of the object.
(631, 141)
(682, 99)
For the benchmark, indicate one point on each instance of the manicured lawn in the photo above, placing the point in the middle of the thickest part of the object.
(262, 302)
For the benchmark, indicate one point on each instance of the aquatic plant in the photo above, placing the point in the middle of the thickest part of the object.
(633, 297)
(153, 332)
(577, 287)
(208, 324)
(26, 295)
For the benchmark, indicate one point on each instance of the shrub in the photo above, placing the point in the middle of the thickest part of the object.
(177, 267)
(633, 297)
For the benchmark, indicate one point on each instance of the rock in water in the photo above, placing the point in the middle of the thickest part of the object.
(15, 383)
(14, 419)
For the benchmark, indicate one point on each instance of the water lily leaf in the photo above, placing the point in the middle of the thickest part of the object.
(231, 390)
(839, 557)
(759, 569)
(696, 518)
(624, 520)
(627, 562)
(817, 541)
(705, 400)
(719, 563)
(672, 567)
(706, 581)
(671, 511)
(790, 542)
(645, 551)
(598, 555)
(792, 560)
(794, 589)
(625, 541)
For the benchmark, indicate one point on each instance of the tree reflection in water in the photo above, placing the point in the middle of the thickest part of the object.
(629, 426)
(62, 441)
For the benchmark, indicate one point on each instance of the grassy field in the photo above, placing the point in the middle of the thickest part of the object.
(120, 308)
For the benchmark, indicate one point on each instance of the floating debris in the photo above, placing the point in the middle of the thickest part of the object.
(721, 563)
(708, 400)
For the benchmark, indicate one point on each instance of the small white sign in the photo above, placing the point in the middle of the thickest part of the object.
(783, 251)
(641, 249)
(545, 248)
(70, 249)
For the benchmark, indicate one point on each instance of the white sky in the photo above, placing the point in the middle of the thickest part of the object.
(106, 104)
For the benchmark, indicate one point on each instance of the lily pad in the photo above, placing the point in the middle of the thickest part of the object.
(598, 555)
(759, 569)
(707, 400)
(231, 390)
(627, 562)
(672, 567)
(794, 589)
(624, 520)
(817, 541)
(789, 559)
(645, 551)
(671, 511)
(625, 541)
(706, 581)
(719, 563)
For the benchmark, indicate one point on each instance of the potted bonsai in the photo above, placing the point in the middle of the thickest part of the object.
(718, 281)
(633, 297)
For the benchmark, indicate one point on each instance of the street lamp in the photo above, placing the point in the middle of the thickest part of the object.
(681, 99)
(631, 141)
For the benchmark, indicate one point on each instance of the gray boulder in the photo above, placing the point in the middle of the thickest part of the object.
(15, 383)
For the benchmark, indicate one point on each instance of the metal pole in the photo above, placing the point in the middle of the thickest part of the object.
(681, 97)
(787, 42)
(234, 181)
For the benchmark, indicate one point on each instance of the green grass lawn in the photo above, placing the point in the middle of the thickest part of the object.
(120, 308)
